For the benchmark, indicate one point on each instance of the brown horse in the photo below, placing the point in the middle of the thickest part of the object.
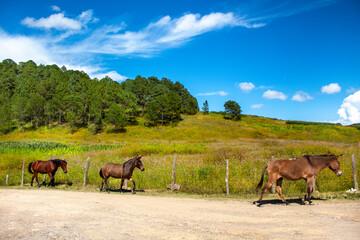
(123, 171)
(305, 167)
(46, 167)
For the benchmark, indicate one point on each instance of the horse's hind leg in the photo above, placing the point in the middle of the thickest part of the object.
(37, 180)
(107, 186)
(32, 180)
(309, 189)
(278, 190)
(133, 189)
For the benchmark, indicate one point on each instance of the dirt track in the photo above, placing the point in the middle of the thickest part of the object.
(51, 214)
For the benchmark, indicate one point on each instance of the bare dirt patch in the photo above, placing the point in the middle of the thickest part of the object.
(51, 214)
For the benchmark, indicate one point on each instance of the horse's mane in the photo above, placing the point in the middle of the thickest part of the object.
(57, 161)
(131, 160)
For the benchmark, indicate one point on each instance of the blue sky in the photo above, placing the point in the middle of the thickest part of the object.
(297, 60)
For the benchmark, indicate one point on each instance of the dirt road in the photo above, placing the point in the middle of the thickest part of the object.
(51, 214)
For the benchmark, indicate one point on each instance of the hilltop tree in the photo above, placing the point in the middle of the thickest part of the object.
(232, 110)
(206, 107)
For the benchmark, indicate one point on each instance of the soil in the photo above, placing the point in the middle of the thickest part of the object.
(53, 214)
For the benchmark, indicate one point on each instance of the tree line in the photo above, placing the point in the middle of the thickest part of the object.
(45, 94)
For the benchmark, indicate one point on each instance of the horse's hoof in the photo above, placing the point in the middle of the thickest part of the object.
(254, 202)
(133, 192)
(286, 203)
(311, 203)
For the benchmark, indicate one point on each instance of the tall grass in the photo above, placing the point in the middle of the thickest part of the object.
(201, 143)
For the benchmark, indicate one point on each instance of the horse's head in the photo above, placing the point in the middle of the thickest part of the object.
(63, 165)
(139, 164)
(335, 166)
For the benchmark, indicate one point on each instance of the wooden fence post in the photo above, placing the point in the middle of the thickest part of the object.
(86, 170)
(22, 173)
(7, 179)
(227, 177)
(173, 186)
(354, 172)
(273, 186)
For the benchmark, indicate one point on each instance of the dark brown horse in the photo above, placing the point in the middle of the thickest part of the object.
(305, 167)
(123, 171)
(46, 167)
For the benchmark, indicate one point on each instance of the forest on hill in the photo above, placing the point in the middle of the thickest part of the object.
(44, 94)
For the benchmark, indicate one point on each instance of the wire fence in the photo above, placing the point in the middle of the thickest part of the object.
(194, 175)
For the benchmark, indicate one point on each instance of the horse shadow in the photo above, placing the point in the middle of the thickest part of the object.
(126, 190)
(290, 201)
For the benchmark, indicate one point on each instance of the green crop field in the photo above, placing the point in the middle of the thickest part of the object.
(201, 144)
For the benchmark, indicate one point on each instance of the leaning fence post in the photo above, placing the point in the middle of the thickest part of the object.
(273, 186)
(227, 177)
(7, 179)
(86, 170)
(22, 173)
(173, 186)
(354, 172)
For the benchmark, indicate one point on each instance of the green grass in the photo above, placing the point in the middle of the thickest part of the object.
(201, 143)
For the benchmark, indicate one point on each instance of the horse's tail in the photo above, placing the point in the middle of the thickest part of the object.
(100, 173)
(262, 178)
(29, 168)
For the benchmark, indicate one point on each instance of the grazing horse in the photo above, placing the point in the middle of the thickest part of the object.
(305, 167)
(46, 167)
(123, 171)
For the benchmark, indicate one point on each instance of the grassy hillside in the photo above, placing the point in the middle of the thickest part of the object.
(201, 143)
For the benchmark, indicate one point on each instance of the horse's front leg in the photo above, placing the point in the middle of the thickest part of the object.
(50, 177)
(121, 185)
(133, 189)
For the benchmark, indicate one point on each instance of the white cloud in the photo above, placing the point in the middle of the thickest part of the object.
(331, 88)
(246, 86)
(112, 74)
(220, 93)
(57, 21)
(349, 111)
(301, 97)
(22, 48)
(270, 94)
(55, 8)
(257, 105)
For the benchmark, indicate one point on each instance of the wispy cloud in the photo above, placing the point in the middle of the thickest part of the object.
(157, 36)
(220, 93)
(55, 8)
(331, 88)
(257, 106)
(301, 97)
(352, 90)
(271, 94)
